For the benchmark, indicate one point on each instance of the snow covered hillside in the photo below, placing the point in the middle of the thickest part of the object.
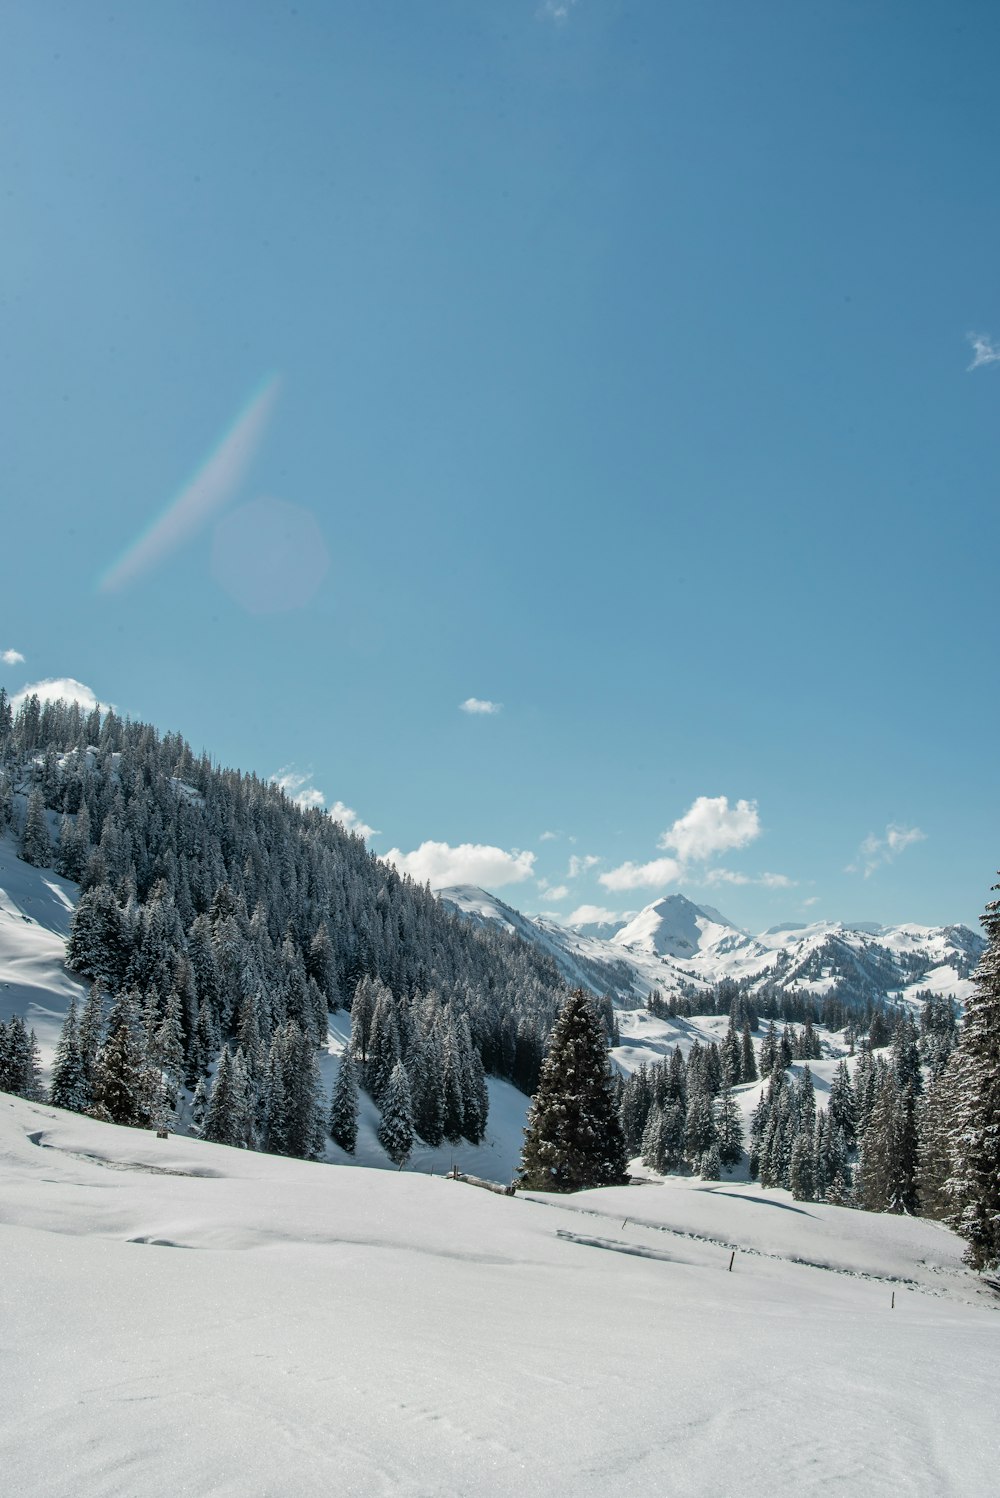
(35, 911)
(673, 943)
(184, 1318)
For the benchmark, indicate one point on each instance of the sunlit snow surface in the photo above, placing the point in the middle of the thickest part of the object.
(181, 1318)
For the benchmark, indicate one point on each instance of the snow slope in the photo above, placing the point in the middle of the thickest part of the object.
(187, 1319)
(35, 911)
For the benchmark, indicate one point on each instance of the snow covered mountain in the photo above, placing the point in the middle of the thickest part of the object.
(674, 927)
(673, 944)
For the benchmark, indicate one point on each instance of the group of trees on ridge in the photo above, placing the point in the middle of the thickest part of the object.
(217, 916)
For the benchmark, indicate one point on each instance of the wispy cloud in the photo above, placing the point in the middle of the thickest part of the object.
(479, 705)
(730, 876)
(581, 863)
(652, 875)
(876, 851)
(556, 10)
(58, 688)
(553, 891)
(984, 350)
(349, 819)
(548, 837)
(441, 865)
(11, 657)
(592, 915)
(812, 900)
(298, 787)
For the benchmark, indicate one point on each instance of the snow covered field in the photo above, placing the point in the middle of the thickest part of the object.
(181, 1318)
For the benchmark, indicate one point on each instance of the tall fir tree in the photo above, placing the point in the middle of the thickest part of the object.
(36, 845)
(69, 1087)
(573, 1138)
(976, 1125)
(395, 1130)
(344, 1105)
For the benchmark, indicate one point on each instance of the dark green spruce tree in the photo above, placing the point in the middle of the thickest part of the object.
(344, 1107)
(975, 1183)
(573, 1138)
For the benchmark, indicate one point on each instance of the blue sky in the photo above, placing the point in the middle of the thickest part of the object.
(605, 362)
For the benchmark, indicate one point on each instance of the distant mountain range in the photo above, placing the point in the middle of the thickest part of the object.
(674, 944)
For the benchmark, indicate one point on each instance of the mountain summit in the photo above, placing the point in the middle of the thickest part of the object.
(675, 927)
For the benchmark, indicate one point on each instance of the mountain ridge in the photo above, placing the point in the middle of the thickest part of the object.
(673, 943)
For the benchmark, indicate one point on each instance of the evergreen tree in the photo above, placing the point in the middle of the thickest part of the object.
(709, 1166)
(36, 845)
(344, 1107)
(842, 1109)
(768, 1050)
(800, 1172)
(699, 1128)
(573, 1138)
(976, 1126)
(633, 1111)
(69, 1087)
(225, 1119)
(426, 1072)
(395, 1130)
(199, 1108)
(91, 1033)
(122, 1087)
(886, 1177)
(748, 1060)
(20, 1070)
(729, 1129)
(652, 1145)
(935, 1150)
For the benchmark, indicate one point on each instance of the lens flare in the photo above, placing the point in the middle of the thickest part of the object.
(203, 495)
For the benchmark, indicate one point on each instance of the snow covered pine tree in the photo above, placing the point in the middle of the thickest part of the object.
(573, 1137)
(975, 1183)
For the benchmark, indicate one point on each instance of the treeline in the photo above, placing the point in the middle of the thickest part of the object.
(219, 913)
(871, 1016)
(879, 1144)
(415, 1058)
(874, 1146)
(681, 1115)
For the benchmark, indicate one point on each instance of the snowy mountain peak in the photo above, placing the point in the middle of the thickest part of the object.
(674, 926)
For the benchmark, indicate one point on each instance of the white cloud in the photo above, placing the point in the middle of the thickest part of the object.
(711, 825)
(581, 864)
(54, 688)
(349, 819)
(984, 350)
(590, 915)
(765, 881)
(298, 787)
(876, 851)
(442, 865)
(812, 900)
(479, 705)
(553, 891)
(556, 10)
(548, 837)
(11, 657)
(645, 875)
